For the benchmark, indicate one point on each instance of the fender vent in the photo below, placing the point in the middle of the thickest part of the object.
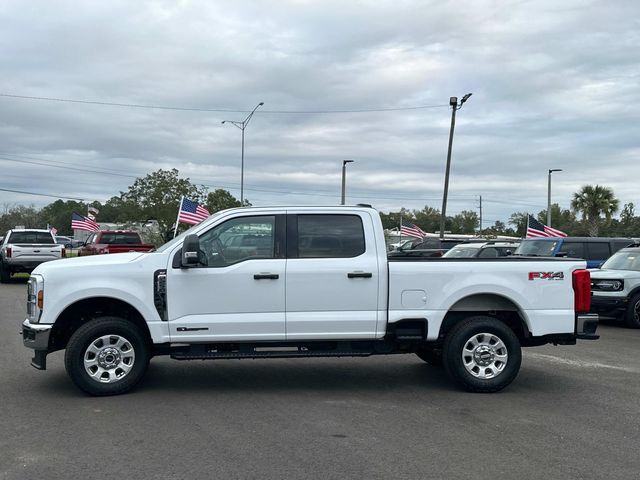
(160, 293)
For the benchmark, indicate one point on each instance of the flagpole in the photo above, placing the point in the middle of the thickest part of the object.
(400, 227)
(175, 230)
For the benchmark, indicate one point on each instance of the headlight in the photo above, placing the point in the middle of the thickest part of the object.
(35, 298)
(607, 285)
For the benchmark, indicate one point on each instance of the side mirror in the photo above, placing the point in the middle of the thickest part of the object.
(190, 251)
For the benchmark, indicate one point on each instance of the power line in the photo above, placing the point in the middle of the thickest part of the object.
(41, 194)
(320, 193)
(219, 110)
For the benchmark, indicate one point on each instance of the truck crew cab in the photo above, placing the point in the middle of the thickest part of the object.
(299, 282)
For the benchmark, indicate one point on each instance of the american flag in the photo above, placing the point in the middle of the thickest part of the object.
(537, 229)
(191, 212)
(411, 230)
(78, 222)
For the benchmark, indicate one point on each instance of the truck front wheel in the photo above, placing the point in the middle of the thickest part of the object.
(107, 356)
(5, 274)
(632, 315)
(482, 354)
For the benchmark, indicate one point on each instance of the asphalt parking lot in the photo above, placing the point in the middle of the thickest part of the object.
(573, 412)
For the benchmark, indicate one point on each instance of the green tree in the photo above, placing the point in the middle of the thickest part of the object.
(561, 219)
(465, 222)
(592, 201)
(221, 199)
(19, 215)
(519, 221)
(157, 196)
(58, 214)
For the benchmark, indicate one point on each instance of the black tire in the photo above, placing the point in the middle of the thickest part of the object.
(498, 374)
(5, 273)
(431, 356)
(88, 335)
(632, 315)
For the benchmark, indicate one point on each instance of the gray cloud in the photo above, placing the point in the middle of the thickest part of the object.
(554, 84)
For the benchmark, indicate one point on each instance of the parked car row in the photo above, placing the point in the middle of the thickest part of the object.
(22, 250)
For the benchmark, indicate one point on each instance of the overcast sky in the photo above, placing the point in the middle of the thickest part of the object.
(555, 85)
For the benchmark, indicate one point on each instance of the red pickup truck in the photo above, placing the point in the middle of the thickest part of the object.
(113, 241)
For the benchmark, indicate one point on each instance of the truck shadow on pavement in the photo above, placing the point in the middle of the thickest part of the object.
(312, 376)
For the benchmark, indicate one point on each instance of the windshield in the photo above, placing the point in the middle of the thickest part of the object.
(623, 261)
(537, 248)
(180, 237)
(462, 252)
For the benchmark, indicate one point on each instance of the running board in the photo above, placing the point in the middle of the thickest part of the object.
(217, 354)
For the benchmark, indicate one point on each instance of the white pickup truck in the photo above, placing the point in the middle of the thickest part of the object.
(22, 250)
(299, 282)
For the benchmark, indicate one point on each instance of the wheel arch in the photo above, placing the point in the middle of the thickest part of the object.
(493, 305)
(82, 311)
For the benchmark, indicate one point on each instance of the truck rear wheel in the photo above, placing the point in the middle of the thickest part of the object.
(632, 315)
(482, 354)
(107, 356)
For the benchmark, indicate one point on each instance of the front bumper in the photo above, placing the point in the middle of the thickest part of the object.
(586, 326)
(36, 336)
(608, 303)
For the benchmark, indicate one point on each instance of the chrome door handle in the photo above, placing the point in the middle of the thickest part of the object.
(359, 275)
(266, 276)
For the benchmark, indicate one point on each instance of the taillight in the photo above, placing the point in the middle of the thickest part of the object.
(582, 290)
(64, 252)
(8, 252)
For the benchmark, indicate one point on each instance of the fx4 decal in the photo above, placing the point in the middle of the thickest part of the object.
(546, 275)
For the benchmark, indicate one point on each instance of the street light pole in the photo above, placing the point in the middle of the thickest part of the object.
(551, 170)
(344, 179)
(242, 125)
(453, 102)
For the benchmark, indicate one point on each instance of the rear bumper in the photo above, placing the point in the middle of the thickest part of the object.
(25, 266)
(36, 337)
(586, 326)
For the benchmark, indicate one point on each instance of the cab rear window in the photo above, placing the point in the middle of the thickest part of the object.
(32, 237)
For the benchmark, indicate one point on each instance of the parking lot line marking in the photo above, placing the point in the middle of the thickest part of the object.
(580, 363)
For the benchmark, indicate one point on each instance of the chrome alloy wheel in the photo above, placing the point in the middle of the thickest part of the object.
(484, 355)
(109, 358)
(636, 311)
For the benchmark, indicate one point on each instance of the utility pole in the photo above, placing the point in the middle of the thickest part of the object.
(344, 180)
(551, 170)
(453, 102)
(480, 215)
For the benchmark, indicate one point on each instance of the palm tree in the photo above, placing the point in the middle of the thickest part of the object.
(593, 201)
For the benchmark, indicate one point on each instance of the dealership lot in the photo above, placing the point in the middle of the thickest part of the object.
(573, 412)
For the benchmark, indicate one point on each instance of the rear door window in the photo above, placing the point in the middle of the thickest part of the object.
(573, 249)
(598, 250)
(330, 236)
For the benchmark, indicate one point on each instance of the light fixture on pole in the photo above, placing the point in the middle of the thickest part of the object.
(344, 179)
(455, 106)
(242, 125)
(551, 170)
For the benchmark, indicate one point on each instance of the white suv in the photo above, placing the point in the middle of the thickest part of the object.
(491, 249)
(616, 286)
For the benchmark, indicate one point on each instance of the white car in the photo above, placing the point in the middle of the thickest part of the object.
(491, 249)
(616, 287)
(300, 282)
